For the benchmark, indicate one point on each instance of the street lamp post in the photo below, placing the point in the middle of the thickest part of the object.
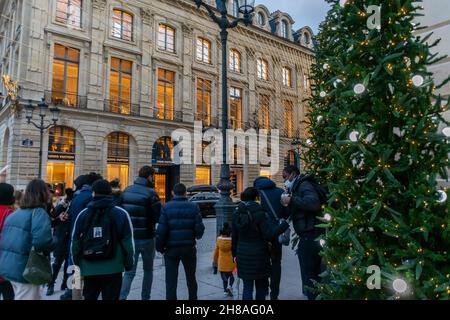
(43, 107)
(297, 142)
(225, 206)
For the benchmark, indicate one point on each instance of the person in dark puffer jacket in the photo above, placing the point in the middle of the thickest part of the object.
(142, 203)
(304, 206)
(252, 232)
(6, 209)
(179, 227)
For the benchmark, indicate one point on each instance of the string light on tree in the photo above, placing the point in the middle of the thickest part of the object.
(327, 217)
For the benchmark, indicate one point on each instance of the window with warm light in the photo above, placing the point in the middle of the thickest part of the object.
(262, 69)
(162, 151)
(61, 156)
(118, 158)
(264, 108)
(287, 77)
(166, 94)
(203, 175)
(204, 101)
(235, 61)
(65, 75)
(120, 85)
(166, 38)
(288, 118)
(161, 186)
(236, 108)
(69, 12)
(204, 50)
(122, 25)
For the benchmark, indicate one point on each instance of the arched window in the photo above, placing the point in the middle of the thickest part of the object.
(235, 61)
(285, 29)
(122, 25)
(261, 19)
(61, 157)
(288, 118)
(307, 38)
(117, 166)
(262, 69)
(166, 38)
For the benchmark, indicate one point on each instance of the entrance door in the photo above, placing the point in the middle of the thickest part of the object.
(165, 178)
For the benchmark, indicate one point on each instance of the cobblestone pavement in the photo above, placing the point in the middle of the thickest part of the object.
(210, 285)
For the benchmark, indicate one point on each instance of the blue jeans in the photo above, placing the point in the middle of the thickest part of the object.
(261, 285)
(145, 248)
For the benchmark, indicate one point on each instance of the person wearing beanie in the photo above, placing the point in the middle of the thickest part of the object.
(6, 208)
(116, 191)
(102, 244)
(82, 196)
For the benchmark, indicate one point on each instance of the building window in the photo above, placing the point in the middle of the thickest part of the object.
(166, 94)
(285, 29)
(307, 38)
(305, 82)
(118, 158)
(262, 69)
(120, 86)
(162, 152)
(61, 157)
(236, 8)
(264, 108)
(203, 175)
(204, 101)
(65, 75)
(288, 118)
(261, 19)
(204, 50)
(287, 77)
(235, 61)
(166, 38)
(236, 108)
(122, 25)
(69, 12)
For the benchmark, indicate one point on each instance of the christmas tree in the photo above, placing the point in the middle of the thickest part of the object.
(375, 141)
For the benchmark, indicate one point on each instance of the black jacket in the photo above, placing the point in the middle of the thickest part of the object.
(251, 233)
(305, 205)
(61, 230)
(180, 225)
(143, 205)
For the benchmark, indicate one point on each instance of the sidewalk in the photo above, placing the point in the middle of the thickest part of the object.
(209, 284)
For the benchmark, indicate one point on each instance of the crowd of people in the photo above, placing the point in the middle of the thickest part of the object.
(104, 231)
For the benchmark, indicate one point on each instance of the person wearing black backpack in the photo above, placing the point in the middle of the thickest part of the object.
(102, 244)
(304, 205)
(252, 237)
(270, 196)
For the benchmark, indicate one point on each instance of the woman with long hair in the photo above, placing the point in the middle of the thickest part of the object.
(28, 227)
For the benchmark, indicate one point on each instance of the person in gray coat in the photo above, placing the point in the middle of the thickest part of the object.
(28, 227)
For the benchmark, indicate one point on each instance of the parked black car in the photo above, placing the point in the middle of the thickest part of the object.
(206, 201)
(201, 188)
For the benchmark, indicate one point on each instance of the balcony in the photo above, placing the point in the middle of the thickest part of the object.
(122, 107)
(176, 116)
(65, 99)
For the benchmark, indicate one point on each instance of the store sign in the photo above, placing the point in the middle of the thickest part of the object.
(61, 156)
(118, 160)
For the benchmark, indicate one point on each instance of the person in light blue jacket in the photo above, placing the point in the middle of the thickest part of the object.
(28, 227)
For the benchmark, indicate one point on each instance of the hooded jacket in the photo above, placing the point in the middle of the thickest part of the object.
(304, 205)
(123, 258)
(23, 229)
(223, 257)
(251, 234)
(273, 193)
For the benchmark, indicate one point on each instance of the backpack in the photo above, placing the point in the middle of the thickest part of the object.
(99, 236)
(322, 192)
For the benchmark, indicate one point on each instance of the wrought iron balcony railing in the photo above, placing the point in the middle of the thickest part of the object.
(122, 107)
(65, 99)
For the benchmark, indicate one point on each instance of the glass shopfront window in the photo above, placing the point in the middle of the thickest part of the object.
(203, 175)
(61, 156)
(118, 158)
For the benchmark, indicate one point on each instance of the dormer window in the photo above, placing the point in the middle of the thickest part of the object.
(307, 38)
(285, 29)
(261, 19)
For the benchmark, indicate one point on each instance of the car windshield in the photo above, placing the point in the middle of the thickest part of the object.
(206, 196)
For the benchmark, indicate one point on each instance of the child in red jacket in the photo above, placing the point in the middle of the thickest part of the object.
(6, 205)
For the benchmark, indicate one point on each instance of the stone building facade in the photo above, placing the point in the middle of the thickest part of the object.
(126, 74)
